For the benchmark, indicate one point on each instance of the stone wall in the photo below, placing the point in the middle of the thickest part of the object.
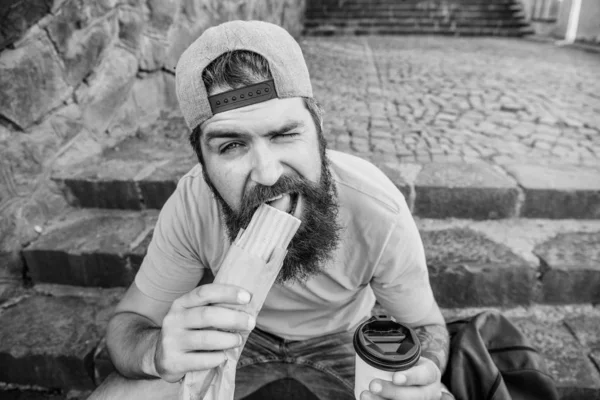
(588, 29)
(78, 76)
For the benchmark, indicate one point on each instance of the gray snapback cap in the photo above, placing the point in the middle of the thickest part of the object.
(275, 44)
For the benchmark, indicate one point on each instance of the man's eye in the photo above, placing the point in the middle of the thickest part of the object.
(229, 147)
(285, 135)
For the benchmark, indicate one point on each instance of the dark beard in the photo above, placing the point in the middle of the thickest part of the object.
(318, 235)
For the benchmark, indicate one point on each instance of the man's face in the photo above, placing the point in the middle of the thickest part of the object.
(269, 152)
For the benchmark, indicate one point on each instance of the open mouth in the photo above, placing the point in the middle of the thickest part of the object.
(286, 202)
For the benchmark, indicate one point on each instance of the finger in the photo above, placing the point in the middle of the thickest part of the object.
(218, 318)
(366, 395)
(425, 372)
(387, 390)
(203, 340)
(213, 293)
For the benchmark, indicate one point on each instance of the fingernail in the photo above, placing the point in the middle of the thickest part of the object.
(400, 379)
(376, 387)
(241, 339)
(251, 323)
(243, 297)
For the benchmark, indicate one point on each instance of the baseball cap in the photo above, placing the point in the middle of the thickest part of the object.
(275, 44)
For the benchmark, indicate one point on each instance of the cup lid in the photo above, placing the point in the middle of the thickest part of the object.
(386, 344)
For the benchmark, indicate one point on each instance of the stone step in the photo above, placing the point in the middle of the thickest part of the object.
(408, 3)
(381, 23)
(141, 173)
(65, 351)
(458, 31)
(49, 336)
(91, 247)
(376, 13)
(471, 263)
(413, 6)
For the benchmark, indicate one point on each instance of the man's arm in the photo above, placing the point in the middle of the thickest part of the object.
(132, 334)
(434, 338)
(435, 344)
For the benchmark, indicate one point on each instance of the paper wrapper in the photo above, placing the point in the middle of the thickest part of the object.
(253, 263)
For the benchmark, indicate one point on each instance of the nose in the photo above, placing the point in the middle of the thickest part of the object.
(266, 167)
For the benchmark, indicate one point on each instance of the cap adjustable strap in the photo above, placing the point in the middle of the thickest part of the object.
(242, 97)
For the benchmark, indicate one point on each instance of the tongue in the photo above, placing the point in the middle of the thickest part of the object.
(283, 204)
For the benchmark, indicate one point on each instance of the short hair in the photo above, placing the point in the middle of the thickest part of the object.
(241, 68)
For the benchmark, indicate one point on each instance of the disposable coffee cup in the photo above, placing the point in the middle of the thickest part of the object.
(382, 347)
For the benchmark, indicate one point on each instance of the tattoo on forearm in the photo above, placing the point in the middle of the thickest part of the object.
(435, 344)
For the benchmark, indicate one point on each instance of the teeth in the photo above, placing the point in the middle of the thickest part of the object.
(275, 198)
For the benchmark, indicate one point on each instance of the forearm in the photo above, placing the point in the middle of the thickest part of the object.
(435, 344)
(131, 342)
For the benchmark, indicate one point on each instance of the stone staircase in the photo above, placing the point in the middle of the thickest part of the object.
(397, 17)
(493, 239)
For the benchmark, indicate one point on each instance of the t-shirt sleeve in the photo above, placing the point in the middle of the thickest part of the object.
(171, 266)
(401, 280)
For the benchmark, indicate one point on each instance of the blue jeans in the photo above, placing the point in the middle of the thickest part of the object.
(325, 365)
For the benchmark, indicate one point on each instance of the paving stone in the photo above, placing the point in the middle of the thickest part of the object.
(468, 269)
(585, 329)
(49, 341)
(464, 190)
(575, 375)
(595, 356)
(558, 191)
(91, 248)
(572, 267)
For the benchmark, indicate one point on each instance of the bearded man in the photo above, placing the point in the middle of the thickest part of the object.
(245, 92)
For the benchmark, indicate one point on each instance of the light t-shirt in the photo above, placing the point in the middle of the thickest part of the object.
(380, 256)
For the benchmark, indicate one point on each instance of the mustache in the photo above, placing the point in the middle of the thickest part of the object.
(259, 194)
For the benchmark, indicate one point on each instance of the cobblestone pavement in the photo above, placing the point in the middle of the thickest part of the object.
(421, 99)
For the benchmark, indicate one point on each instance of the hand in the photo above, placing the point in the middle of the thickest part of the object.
(421, 382)
(193, 334)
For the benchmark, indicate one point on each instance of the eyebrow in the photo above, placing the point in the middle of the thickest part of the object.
(229, 134)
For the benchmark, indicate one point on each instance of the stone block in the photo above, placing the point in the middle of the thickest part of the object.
(153, 51)
(571, 267)
(17, 16)
(595, 356)
(464, 190)
(402, 175)
(108, 89)
(154, 96)
(575, 376)
(49, 341)
(89, 248)
(79, 40)
(158, 186)
(558, 191)
(468, 269)
(586, 330)
(109, 185)
(162, 13)
(31, 82)
(131, 26)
